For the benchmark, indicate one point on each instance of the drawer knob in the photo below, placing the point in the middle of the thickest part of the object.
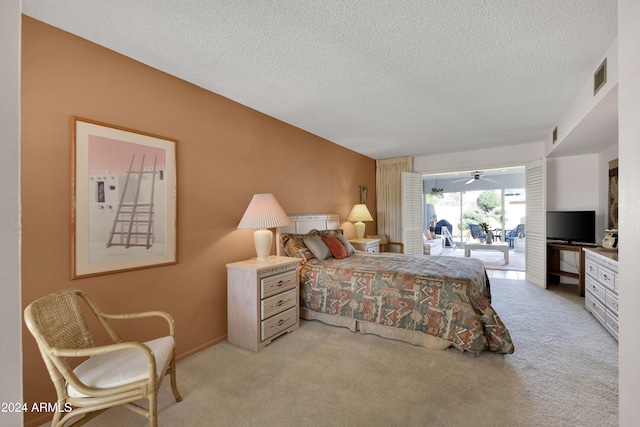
(280, 303)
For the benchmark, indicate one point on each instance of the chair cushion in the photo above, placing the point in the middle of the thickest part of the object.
(121, 367)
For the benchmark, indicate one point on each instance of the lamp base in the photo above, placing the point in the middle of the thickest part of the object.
(262, 239)
(359, 227)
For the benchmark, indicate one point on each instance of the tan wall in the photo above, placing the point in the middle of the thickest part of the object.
(226, 153)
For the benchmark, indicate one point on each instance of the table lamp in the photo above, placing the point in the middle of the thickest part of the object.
(358, 214)
(262, 213)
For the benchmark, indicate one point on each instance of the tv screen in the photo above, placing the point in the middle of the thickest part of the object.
(572, 226)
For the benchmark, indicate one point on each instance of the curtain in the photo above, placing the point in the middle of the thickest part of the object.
(389, 195)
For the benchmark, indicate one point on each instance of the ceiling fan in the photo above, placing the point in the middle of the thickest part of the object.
(475, 176)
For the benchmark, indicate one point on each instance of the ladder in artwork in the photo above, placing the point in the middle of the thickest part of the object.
(133, 224)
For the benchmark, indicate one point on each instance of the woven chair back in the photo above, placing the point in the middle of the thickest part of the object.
(59, 321)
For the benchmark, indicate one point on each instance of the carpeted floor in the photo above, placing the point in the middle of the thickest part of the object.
(564, 372)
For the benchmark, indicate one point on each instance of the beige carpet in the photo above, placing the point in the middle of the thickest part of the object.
(564, 372)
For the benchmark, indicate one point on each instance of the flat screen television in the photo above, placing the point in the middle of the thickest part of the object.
(573, 227)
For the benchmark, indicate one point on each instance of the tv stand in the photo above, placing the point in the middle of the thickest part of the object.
(553, 263)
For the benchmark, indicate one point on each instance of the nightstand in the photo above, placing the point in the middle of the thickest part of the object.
(262, 301)
(366, 245)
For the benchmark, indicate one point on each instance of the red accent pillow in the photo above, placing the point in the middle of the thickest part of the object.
(336, 247)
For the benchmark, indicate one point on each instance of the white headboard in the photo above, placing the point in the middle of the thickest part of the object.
(304, 223)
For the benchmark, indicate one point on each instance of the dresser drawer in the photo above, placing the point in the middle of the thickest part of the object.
(611, 322)
(590, 267)
(612, 301)
(278, 303)
(606, 277)
(277, 283)
(594, 306)
(595, 288)
(278, 323)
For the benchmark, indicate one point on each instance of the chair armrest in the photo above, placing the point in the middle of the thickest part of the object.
(94, 351)
(145, 314)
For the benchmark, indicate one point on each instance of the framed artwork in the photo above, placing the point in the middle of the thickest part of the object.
(123, 199)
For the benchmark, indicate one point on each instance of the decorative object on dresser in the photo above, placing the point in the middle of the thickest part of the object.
(610, 240)
(262, 213)
(262, 301)
(601, 296)
(358, 214)
(369, 244)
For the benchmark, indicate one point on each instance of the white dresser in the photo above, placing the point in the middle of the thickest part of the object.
(262, 301)
(601, 287)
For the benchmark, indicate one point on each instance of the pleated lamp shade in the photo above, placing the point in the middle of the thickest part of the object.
(263, 212)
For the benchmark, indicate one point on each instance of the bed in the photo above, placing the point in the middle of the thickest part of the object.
(435, 302)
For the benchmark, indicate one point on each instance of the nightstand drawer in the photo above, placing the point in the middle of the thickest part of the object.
(278, 323)
(278, 303)
(272, 285)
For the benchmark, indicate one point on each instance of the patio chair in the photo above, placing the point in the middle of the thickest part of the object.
(514, 234)
(114, 374)
(477, 232)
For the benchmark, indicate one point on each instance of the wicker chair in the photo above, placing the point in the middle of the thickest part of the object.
(114, 374)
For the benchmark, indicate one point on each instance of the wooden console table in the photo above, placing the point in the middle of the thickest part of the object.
(553, 263)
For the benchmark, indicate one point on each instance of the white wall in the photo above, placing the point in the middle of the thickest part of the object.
(10, 305)
(629, 210)
(575, 183)
(585, 101)
(490, 158)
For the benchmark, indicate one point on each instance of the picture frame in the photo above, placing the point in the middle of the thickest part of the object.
(123, 199)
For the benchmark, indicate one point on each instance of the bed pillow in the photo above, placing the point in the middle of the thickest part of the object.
(339, 233)
(338, 250)
(346, 243)
(293, 245)
(318, 247)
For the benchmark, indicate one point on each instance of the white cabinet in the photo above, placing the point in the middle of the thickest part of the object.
(601, 287)
(366, 245)
(262, 301)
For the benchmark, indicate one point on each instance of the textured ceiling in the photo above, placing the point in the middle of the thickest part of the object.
(383, 78)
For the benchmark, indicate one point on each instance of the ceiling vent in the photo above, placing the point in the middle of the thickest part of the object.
(600, 77)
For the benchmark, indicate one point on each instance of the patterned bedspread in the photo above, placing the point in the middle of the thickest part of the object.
(445, 297)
